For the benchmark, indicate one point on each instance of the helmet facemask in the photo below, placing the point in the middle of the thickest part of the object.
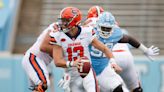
(69, 18)
(105, 32)
(64, 24)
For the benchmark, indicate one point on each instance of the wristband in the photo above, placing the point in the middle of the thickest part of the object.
(71, 63)
(68, 64)
(143, 48)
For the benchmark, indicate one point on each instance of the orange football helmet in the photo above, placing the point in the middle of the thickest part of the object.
(94, 11)
(69, 17)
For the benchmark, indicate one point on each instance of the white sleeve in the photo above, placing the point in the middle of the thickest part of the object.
(92, 35)
(54, 38)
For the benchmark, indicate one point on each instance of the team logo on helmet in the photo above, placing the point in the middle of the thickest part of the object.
(69, 17)
(74, 12)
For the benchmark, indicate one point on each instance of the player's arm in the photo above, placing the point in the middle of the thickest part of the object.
(87, 22)
(134, 42)
(131, 40)
(151, 51)
(99, 45)
(59, 58)
(45, 45)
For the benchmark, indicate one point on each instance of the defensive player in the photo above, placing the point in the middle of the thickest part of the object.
(109, 33)
(71, 43)
(121, 53)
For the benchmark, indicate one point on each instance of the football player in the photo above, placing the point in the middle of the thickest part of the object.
(109, 33)
(36, 60)
(71, 43)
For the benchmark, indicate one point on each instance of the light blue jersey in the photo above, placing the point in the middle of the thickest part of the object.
(98, 58)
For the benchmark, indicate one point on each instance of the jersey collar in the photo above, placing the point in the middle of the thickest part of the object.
(78, 33)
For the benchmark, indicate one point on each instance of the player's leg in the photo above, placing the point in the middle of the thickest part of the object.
(138, 89)
(109, 80)
(77, 85)
(90, 82)
(126, 62)
(51, 76)
(118, 89)
(76, 82)
(36, 71)
(31, 83)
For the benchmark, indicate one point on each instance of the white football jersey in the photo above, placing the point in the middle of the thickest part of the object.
(75, 48)
(35, 48)
(91, 22)
(121, 46)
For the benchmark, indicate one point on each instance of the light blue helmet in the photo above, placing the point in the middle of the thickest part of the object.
(105, 23)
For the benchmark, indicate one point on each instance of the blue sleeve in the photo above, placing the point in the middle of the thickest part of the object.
(116, 35)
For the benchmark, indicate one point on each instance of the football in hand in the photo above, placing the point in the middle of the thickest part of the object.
(85, 68)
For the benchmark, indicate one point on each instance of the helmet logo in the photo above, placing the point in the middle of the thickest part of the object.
(74, 12)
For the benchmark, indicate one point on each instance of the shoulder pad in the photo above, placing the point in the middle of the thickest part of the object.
(117, 34)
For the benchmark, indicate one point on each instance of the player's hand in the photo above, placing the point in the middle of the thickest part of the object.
(152, 51)
(41, 87)
(65, 82)
(78, 63)
(114, 65)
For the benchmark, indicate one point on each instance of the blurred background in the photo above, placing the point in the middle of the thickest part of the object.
(21, 21)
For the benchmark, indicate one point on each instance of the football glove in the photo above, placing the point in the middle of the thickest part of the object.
(152, 51)
(65, 82)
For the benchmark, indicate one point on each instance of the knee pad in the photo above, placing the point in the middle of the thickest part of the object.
(118, 89)
(139, 89)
